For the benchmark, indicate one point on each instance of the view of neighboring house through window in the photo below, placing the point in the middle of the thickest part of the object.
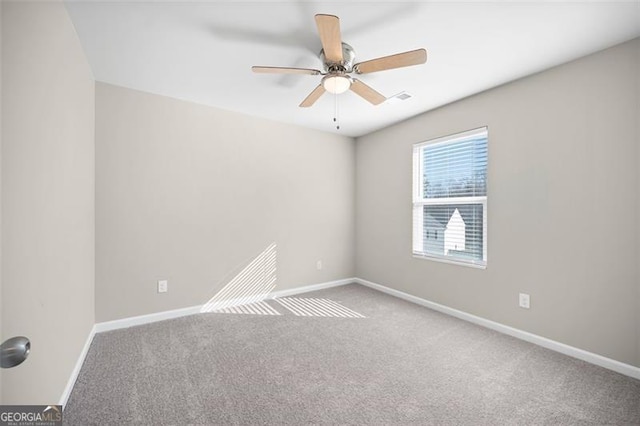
(450, 198)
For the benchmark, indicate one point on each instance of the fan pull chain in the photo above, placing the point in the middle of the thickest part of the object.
(336, 117)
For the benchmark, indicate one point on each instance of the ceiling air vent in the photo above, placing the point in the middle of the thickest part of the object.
(402, 96)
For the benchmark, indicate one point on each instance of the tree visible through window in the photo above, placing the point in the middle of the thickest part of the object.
(450, 198)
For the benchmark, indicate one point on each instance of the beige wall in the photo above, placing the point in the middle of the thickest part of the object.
(563, 192)
(47, 197)
(192, 194)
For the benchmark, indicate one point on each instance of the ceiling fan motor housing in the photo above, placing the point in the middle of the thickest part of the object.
(348, 57)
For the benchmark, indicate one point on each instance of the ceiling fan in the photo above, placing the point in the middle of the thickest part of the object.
(338, 62)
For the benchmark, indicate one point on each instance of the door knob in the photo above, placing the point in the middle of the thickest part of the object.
(14, 351)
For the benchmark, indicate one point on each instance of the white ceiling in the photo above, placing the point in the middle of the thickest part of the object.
(203, 51)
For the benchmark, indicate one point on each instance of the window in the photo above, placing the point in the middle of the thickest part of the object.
(450, 198)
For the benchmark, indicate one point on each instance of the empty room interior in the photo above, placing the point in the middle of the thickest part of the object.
(292, 212)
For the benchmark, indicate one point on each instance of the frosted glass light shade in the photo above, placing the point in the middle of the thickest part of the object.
(336, 84)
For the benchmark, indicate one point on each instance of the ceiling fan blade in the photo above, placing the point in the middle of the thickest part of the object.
(399, 60)
(313, 97)
(367, 92)
(329, 31)
(285, 70)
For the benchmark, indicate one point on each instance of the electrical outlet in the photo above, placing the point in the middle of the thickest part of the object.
(319, 265)
(525, 301)
(163, 286)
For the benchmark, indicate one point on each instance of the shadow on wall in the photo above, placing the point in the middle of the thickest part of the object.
(253, 284)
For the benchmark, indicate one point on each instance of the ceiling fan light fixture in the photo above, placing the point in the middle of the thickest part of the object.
(336, 84)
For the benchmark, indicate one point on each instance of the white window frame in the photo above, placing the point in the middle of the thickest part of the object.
(419, 202)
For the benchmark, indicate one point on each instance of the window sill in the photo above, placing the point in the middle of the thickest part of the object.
(449, 261)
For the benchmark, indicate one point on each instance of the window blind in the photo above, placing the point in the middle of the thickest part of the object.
(450, 198)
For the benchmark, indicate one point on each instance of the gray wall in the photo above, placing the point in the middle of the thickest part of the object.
(192, 194)
(47, 197)
(562, 198)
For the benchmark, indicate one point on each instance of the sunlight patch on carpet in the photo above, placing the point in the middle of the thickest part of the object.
(310, 307)
(258, 308)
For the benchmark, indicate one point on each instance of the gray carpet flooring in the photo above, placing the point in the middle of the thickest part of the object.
(401, 364)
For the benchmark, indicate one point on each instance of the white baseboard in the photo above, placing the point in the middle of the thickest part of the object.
(192, 310)
(146, 319)
(312, 287)
(76, 369)
(590, 357)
